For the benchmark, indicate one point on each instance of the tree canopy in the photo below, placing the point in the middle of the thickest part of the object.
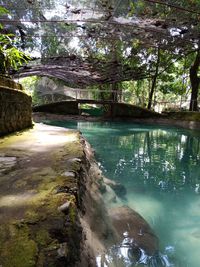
(108, 41)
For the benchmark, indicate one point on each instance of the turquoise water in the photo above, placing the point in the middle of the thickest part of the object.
(160, 168)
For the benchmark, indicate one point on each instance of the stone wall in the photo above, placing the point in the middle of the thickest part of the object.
(15, 109)
(8, 83)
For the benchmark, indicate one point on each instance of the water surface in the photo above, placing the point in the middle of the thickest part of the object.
(160, 168)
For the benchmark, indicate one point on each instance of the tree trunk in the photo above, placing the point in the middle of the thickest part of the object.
(2, 65)
(115, 52)
(154, 80)
(195, 81)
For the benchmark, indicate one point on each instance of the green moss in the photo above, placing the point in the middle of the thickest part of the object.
(42, 237)
(20, 250)
(57, 200)
(72, 213)
(49, 184)
(3, 237)
(33, 216)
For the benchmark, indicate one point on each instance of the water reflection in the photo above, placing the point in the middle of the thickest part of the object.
(167, 161)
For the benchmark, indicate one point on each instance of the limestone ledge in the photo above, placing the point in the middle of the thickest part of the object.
(42, 174)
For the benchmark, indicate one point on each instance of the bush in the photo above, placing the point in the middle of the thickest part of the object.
(10, 56)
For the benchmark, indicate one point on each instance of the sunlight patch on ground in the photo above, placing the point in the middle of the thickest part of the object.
(52, 139)
(40, 138)
(16, 200)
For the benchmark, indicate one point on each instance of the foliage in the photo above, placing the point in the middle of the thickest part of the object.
(110, 48)
(10, 56)
(30, 86)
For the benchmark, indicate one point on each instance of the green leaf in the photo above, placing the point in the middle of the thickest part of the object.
(3, 10)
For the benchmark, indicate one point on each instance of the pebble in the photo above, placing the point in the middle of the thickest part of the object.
(62, 251)
(64, 207)
(74, 160)
(69, 174)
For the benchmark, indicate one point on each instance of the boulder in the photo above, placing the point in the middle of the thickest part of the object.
(124, 219)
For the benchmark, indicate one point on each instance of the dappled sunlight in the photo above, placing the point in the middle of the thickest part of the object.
(21, 199)
(54, 139)
(40, 138)
(37, 181)
(28, 198)
(53, 136)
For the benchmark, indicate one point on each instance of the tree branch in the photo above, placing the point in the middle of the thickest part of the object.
(173, 6)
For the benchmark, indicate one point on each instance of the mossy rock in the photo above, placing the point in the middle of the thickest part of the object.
(43, 238)
(20, 250)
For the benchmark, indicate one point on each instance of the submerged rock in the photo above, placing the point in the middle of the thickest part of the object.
(124, 254)
(136, 245)
(125, 219)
